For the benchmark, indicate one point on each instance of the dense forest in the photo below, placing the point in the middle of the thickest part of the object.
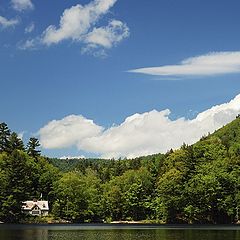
(194, 184)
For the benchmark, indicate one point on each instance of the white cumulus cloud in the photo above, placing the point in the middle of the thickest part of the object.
(80, 24)
(215, 63)
(67, 132)
(107, 36)
(140, 134)
(22, 5)
(76, 21)
(5, 23)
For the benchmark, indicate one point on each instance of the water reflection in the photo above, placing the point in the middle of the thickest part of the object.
(24, 234)
(70, 233)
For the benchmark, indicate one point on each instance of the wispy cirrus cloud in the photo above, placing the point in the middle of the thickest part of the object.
(22, 5)
(6, 23)
(80, 24)
(140, 134)
(30, 28)
(211, 64)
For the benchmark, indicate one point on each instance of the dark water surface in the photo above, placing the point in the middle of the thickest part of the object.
(118, 232)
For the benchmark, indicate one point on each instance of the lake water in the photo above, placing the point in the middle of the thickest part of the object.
(118, 232)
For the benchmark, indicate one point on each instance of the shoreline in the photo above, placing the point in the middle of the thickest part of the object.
(126, 224)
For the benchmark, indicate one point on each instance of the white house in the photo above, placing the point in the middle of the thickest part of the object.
(36, 208)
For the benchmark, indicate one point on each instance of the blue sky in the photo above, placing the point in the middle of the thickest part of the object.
(53, 79)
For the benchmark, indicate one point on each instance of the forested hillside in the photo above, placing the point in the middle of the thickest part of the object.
(194, 184)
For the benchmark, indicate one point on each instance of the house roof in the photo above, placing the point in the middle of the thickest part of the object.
(29, 205)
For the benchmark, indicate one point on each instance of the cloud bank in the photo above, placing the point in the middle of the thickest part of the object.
(5, 23)
(216, 63)
(140, 134)
(22, 5)
(80, 24)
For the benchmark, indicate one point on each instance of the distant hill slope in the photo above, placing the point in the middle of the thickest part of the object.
(194, 184)
(229, 134)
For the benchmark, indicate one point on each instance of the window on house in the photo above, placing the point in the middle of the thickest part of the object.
(34, 212)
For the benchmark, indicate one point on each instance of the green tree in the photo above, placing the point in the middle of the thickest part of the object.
(16, 171)
(129, 196)
(32, 146)
(4, 137)
(210, 194)
(15, 143)
(78, 197)
(170, 197)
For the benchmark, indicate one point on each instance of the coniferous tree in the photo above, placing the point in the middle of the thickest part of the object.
(4, 137)
(15, 143)
(32, 146)
(16, 185)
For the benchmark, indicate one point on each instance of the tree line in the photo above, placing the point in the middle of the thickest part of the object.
(24, 174)
(194, 184)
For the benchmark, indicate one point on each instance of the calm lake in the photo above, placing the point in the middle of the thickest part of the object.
(118, 232)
